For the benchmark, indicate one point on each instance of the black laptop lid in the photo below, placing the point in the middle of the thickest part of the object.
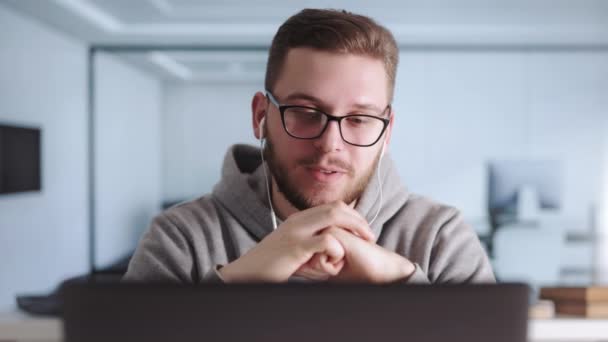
(295, 312)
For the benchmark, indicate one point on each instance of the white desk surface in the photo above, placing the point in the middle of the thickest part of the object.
(568, 329)
(17, 326)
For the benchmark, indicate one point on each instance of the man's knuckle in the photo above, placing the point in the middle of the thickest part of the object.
(333, 213)
(326, 240)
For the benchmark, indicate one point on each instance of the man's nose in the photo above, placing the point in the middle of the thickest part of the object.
(330, 140)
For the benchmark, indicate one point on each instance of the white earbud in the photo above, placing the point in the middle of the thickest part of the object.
(382, 151)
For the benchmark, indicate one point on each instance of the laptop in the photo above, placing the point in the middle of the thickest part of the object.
(294, 312)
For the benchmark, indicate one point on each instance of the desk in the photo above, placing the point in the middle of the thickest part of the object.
(568, 329)
(20, 327)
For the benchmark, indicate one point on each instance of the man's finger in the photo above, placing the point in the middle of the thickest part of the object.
(323, 263)
(328, 245)
(345, 238)
(336, 214)
(310, 273)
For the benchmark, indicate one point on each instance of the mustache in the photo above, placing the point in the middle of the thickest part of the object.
(316, 160)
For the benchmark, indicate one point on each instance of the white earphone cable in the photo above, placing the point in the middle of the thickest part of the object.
(380, 190)
(273, 217)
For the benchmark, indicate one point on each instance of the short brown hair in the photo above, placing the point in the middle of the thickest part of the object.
(333, 31)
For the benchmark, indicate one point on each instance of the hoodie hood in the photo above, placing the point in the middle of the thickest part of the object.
(242, 191)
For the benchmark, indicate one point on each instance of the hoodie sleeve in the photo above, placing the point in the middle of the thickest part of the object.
(165, 254)
(418, 277)
(457, 255)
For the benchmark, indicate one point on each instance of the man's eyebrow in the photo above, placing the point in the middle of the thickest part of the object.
(316, 100)
(304, 96)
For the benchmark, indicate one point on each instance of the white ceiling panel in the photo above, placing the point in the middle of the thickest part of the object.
(200, 66)
(240, 22)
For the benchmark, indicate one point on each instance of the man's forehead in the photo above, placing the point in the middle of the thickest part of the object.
(361, 104)
(324, 77)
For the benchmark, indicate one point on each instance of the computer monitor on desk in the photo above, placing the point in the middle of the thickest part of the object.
(517, 192)
(295, 313)
(509, 180)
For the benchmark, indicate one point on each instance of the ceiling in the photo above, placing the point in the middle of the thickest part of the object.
(250, 25)
(248, 22)
(200, 66)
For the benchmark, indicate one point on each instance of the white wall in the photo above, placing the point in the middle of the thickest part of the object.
(43, 235)
(454, 111)
(200, 122)
(602, 242)
(457, 110)
(128, 152)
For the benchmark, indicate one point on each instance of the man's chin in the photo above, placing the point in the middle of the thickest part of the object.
(315, 200)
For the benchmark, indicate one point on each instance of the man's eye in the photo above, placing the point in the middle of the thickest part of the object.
(358, 120)
(307, 113)
(299, 110)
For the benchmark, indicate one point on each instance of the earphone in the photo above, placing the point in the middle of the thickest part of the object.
(379, 183)
(273, 217)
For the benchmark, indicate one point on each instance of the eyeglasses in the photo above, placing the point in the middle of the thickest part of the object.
(303, 122)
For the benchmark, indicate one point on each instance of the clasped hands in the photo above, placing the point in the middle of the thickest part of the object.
(331, 242)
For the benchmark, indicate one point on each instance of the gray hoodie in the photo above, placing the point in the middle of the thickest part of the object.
(188, 241)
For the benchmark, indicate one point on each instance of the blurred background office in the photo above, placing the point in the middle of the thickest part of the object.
(111, 110)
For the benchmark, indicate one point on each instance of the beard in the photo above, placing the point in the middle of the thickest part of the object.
(298, 198)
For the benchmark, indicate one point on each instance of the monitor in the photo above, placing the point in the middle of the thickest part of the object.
(19, 159)
(507, 178)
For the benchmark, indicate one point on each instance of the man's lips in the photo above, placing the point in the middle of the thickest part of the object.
(327, 169)
(325, 174)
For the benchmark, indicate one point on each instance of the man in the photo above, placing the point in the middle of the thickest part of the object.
(321, 177)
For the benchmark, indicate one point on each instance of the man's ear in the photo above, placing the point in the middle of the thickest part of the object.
(389, 131)
(259, 106)
(262, 127)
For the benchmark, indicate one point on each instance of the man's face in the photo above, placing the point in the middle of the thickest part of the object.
(338, 84)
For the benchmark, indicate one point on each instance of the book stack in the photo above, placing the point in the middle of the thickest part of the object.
(542, 309)
(589, 302)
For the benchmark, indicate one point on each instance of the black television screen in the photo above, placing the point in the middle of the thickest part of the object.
(19, 159)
